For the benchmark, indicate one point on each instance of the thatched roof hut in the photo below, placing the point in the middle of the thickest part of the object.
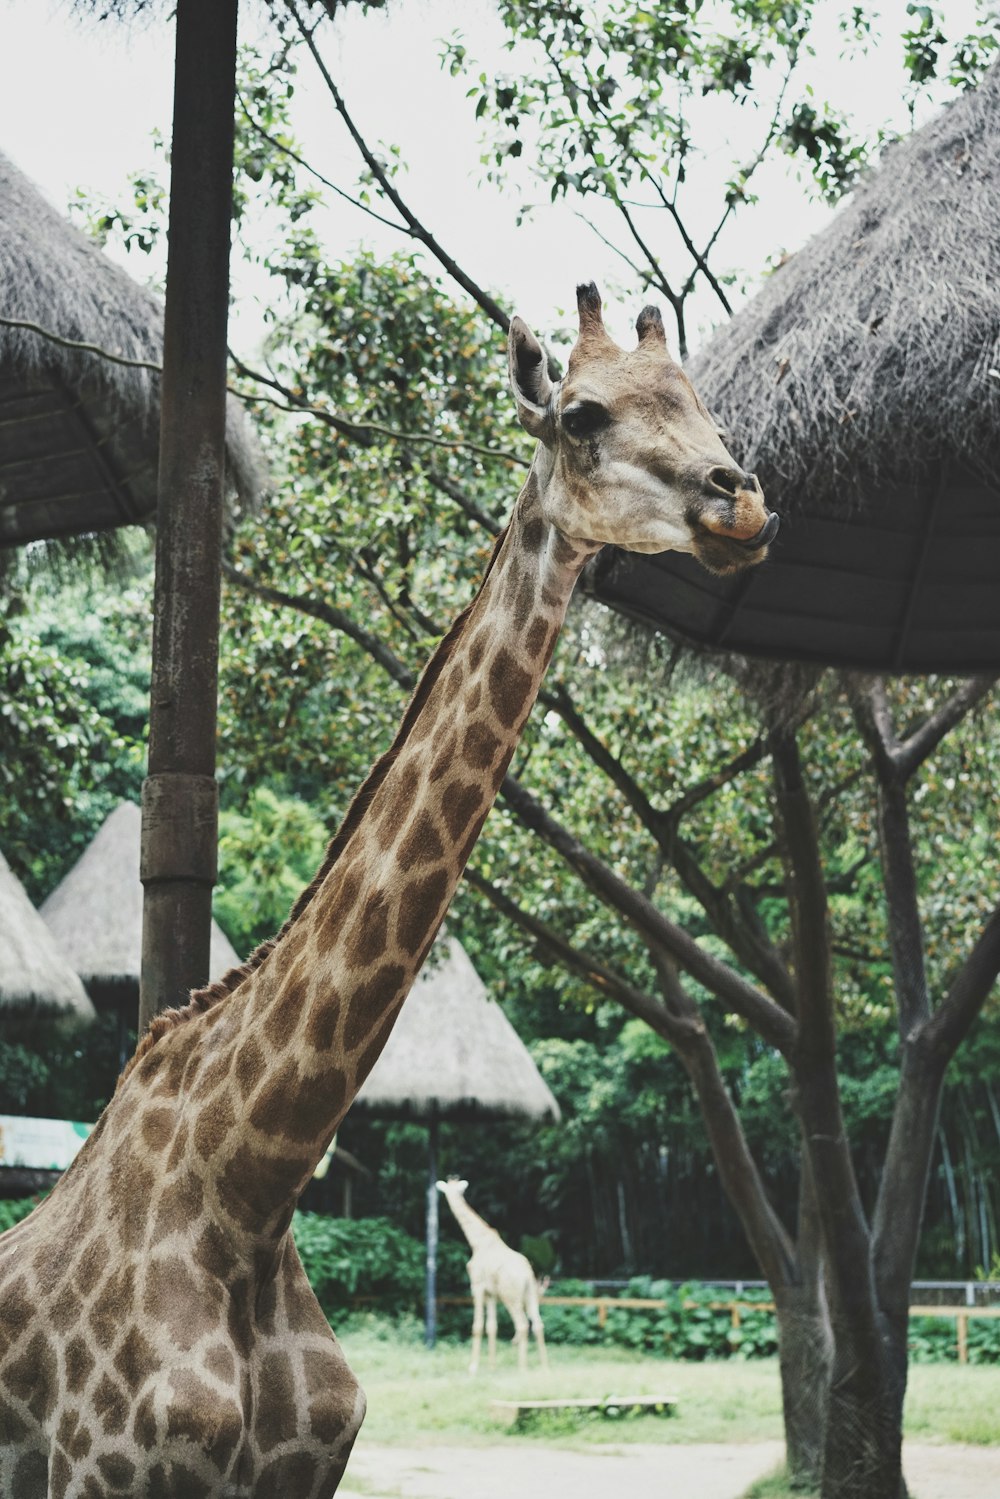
(35, 978)
(95, 914)
(862, 384)
(79, 435)
(453, 1054)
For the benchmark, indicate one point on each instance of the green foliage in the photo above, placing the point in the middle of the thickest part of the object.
(59, 1072)
(267, 854)
(13, 1209)
(373, 1258)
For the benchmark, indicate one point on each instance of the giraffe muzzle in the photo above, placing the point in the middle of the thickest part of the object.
(764, 537)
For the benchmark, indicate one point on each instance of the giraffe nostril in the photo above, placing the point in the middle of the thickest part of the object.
(727, 481)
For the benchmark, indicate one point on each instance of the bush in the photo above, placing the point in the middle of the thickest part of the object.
(13, 1209)
(350, 1259)
(676, 1330)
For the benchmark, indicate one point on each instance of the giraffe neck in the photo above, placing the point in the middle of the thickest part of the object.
(289, 1048)
(476, 1230)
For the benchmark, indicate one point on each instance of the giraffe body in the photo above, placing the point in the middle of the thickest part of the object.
(157, 1334)
(496, 1273)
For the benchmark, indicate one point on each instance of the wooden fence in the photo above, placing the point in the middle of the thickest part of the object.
(736, 1308)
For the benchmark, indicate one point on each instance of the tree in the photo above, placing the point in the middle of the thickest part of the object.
(740, 870)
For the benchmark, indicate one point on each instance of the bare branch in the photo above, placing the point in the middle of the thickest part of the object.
(922, 743)
(967, 993)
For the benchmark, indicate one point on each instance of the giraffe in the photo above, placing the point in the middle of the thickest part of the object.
(158, 1336)
(496, 1270)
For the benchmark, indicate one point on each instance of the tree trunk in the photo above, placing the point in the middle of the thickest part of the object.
(864, 1429)
(805, 1356)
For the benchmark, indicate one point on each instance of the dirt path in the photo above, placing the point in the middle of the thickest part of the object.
(706, 1471)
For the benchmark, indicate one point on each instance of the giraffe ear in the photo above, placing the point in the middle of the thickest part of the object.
(529, 379)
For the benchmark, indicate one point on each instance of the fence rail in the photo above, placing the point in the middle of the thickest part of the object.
(736, 1307)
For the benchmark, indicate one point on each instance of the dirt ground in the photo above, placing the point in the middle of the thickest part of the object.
(704, 1471)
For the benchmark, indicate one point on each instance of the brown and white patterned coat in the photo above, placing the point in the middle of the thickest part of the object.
(158, 1337)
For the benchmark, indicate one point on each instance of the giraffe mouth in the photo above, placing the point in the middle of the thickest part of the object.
(732, 554)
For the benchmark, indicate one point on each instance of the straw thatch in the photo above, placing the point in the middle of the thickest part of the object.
(79, 435)
(863, 385)
(35, 978)
(95, 914)
(453, 1054)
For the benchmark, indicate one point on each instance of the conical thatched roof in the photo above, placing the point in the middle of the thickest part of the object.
(34, 976)
(453, 1054)
(863, 385)
(79, 435)
(95, 914)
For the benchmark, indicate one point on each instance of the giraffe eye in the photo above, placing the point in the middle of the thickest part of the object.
(584, 418)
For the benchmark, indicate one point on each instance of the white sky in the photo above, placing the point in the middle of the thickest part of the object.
(79, 100)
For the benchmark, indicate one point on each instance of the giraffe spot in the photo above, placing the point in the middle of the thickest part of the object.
(248, 1067)
(370, 1000)
(110, 1406)
(64, 1309)
(291, 1474)
(422, 845)
(13, 1430)
(277, 1419)
(50, 1262)
(321, 1028)
(31, 1476)
(532, 534)
(93, 1488)
(286, 1010)
(181, 1202)
(215, 1121)
(366, 938)
(166, 1481)
(477, 646)
(461, 803)
(473, 834)
(157, 1126)
(172, 1072)
(73, 1436)
(60, 1474)
(474, 697)
(367, 1059)
(524, 603)
(274, 1098)
(254, 1187)
(116, 1469)
(239, 1320)
(136, 1359)
(78, 1362)
(220, 1362)
(92, 1265)
(199, 1414)
(144, 1423)
(343, 899)
(319, 1101)
(421, 903)
(509, 685)
(184, 1304)
(16, 1309)
(112, 1305)
(32, 1378)
(479, 746)
(564, 551)
(214, 1253)
(128, 1206)
(538, 634)
(333, 1395)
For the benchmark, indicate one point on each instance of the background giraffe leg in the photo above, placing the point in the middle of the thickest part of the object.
(477, 1326)
(539, 1331)
(491, 1330)
(520, 1333)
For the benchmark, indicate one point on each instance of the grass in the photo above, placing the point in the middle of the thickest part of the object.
(416, 1396)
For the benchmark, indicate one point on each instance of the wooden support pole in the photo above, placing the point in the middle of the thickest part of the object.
(180, 798)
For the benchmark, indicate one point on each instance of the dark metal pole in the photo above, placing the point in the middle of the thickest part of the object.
(430, 1306)
(179, 797)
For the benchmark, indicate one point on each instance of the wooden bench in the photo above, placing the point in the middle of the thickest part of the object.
(610, 1406)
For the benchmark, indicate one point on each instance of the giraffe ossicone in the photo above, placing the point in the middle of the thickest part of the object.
(158, 1335)
(496, 1273)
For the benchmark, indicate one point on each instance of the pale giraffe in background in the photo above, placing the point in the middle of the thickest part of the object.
(496, 1272)
(158, 1336)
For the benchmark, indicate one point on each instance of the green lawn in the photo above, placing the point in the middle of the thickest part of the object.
(419, 1396)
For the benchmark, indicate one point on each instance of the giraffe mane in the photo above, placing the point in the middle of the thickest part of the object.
(206, 998)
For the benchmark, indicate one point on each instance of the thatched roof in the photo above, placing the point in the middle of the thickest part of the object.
(862, 384)
(34, 976)
(453, 1054)
(95, 914)
(79, 436)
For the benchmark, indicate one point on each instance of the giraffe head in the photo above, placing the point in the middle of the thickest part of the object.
(628, 452)
(454, 1186)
